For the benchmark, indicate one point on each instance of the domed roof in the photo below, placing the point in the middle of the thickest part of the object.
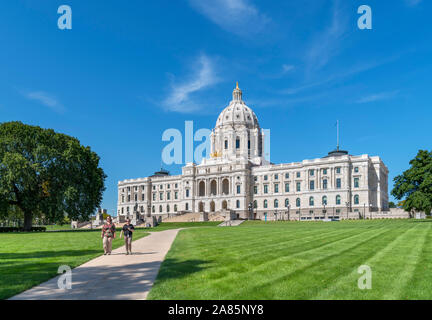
(237, 113)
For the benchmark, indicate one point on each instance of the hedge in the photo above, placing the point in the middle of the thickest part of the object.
(16, 229)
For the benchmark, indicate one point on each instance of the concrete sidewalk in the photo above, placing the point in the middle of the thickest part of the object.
(112, 277)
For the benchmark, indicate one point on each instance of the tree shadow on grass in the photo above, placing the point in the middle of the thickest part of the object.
(46, 254)
(129, 281)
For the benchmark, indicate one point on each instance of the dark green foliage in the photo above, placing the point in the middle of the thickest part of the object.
(415, 184)
(44, 172)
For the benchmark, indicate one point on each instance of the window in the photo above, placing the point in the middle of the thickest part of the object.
(187, 206)
(161, 187)
(265, 178)
(276, 187)
(226, 144)
(298, 202)
(127, 209)
(255, 204)
(338, 199)
(338, 183)
(187, 194)
(265, 188)
(324, 171)
(286, 203)
(136, 197)
(238, 189)
(312, 172)
(356, 199)
(248, 144)
(154, 187)
(168, 195)
(176, 185)
(324, 200)
(168, 186)
(276, 203)
(338, 170)
(153, 209)
(298, 186)
(287, 175)
(128, 197)
(122, 198)
(175, 208)
(265, 204)
(356, 182)
(238, 204)
(286, 187)
(255, 190)
(122, 210)
(325, 184)
(168, 208)
(311, 201)
(161, 196)
(298, 174)
(276, 176)
(356, 169)
(312, 185)
(154, 196)
(142, 188)
(142, 197)
(237, 143)
(255, 178)
(160, 209)
(175, 195)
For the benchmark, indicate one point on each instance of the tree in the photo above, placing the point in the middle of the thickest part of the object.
(49, 173)
(415, 184)
(392, 205)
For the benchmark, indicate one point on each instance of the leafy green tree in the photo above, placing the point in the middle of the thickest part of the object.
(415, 184)
(392, 205)
(47, 173)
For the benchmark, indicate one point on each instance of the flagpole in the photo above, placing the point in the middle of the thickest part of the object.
(337, 124)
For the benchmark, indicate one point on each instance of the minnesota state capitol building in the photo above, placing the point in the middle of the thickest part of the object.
(238, 180)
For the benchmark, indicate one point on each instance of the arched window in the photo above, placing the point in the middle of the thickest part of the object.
(356, 199)
(298, 202)
(265, 203)
(237, 143)
(187, 206)
(238, 204)
(324, 200)
(276, 203)
(311, 201)
(286, 203)
(338, 199)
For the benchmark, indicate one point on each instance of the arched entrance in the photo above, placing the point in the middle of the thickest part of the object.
(224, 205)
(201, 188)
(213, 188)
(212, 206)
(200, 207)
(225, 186)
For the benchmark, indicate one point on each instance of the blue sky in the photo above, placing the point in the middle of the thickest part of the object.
(127, 71)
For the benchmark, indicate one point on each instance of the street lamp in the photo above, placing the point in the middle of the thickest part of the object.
(347, 204)
(275, 214)
(288, 207)
(250, 208)
(325, 212)
(370, 210)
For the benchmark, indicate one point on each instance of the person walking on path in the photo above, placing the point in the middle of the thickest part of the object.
(108, 234)
(128, 230)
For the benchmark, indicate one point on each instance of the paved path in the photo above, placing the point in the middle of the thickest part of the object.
(112, 277)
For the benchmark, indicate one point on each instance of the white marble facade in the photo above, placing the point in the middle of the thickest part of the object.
(237, 177)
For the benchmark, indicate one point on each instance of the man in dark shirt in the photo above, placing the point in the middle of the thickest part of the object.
(128, 230)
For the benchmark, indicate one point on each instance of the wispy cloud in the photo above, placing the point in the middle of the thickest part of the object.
(326, 44)
(179, 99)
(45, 99)
(240, 17)
(412, 3)
(378, 97)
(287, 68)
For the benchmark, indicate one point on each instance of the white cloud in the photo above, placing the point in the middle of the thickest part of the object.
(412, 3)
(179, 99)
(45, 99)
(287, 68)
(378, 97)
(237, 16)
(327, 43)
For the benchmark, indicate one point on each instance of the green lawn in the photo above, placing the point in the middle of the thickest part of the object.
(299, 260)
(27, 259)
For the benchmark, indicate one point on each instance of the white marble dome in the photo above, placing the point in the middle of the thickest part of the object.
(237, 113)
